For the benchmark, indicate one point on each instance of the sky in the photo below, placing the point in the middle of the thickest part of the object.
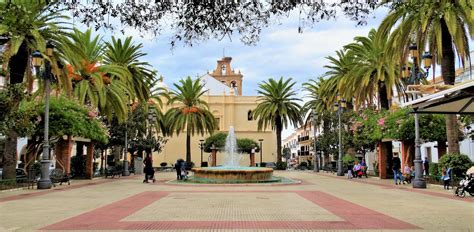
(281, 51)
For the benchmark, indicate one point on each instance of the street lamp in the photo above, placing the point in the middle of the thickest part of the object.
(316, 157)
(261, 149)
(45, 181)
(201, 146)
(339, 105)
(414, 77)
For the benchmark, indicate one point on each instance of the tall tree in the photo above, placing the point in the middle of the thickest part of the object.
(372, 72)
(189, 113)
(127, 54)
(26, 27)
(277, 107)
(95, 83)
(442, 25)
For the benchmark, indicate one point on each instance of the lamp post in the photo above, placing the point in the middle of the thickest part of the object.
(316, 157)
(201, 146)
(261, 150)
(415, 76)
(45, 181)
(341, 103)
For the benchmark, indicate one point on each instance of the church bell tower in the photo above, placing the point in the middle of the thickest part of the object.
(225, 74)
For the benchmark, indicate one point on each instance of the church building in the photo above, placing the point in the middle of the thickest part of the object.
(226, 102)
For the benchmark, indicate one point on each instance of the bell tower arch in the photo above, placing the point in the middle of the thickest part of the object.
(225, 74)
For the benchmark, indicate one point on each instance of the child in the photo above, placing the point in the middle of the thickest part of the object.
(406, 174)
(349, 171)
(446, 177)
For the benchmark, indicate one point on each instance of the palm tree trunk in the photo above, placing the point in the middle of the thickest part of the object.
(10, 155)
(188, 147)
(279, 128)
(449, 76)
(385, 104)
(383, 96)
(452, 134)
(441, 149)
(17, 67)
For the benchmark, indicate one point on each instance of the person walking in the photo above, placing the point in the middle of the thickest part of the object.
(148, 170)
(426, 166)
(396, 165)
(177, 166)
(364, 167)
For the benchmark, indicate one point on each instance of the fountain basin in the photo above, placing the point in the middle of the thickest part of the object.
(233, 175)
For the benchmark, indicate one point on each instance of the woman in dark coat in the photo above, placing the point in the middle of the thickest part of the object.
(149, 171)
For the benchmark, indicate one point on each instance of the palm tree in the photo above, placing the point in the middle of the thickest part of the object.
(191, 113)
(95, 83)
(338, 70)
(38, 24)
(317, 100)
(444, 26)
(372, 72)
(277, 107)
(128, 55)
(26, 27)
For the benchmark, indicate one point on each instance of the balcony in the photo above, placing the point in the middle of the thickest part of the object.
(303, 138)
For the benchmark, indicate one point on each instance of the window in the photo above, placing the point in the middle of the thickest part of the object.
(218, 122)
(249, 116)
(224, 69)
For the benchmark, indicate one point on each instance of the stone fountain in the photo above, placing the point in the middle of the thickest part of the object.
(231, 171)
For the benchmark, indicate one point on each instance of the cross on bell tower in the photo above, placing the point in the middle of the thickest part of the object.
(225, 74)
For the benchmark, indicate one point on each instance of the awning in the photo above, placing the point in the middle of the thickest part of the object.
(456, 100)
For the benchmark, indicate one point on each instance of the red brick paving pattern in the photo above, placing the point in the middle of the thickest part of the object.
(110, 216)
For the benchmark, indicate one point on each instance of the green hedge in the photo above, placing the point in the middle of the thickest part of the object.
(459, 163)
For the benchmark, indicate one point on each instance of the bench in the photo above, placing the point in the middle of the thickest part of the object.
(112, 171)
(58, 176)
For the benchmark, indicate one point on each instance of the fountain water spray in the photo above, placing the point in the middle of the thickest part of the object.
(232, 157)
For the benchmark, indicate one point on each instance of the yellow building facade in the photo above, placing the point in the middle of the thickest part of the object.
(230, 108)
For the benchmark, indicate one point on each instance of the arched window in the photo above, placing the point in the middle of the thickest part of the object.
(249, 115)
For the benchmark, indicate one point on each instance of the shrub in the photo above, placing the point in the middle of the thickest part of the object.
(434, 171)
(281, 165)
(263, 164)
(348, 159)
(163, 164)
(459, 163)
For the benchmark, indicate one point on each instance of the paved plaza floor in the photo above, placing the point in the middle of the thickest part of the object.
(321, 202)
